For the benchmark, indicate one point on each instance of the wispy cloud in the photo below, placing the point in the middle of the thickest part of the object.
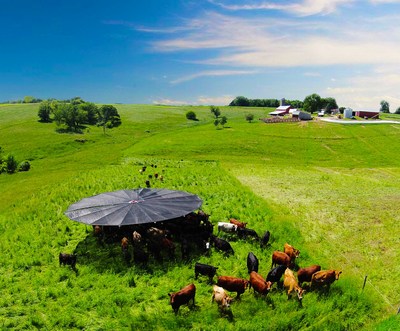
(222, 100)
(212, 73)
(170, 102)
(303, 8)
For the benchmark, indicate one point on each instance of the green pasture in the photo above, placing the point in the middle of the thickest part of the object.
(330, 190)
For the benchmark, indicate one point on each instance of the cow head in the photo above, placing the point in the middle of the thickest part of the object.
(337, 274)
(300, 292)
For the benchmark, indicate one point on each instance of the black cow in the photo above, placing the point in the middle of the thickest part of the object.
(275, 274)
(221, 245)
(69, 259)
(206, 270)
(140, 256)
(245, 232)
(252, 263)
(265, 239)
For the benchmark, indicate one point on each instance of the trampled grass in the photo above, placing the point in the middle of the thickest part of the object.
(331, 191)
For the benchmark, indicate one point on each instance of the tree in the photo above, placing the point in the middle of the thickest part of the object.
(11, 164)
(384, 107)
(249, 117)
(328, 104)
(240, 101)
(108, 117)
(91, 111)
(44, 112)
(223, 120)
(191, 115)
(215, 110)
(312, 103)
(397, 111)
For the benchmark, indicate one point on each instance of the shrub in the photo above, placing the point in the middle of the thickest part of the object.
(249, 117)
(24, 166)
(11, 163)
(191, 115)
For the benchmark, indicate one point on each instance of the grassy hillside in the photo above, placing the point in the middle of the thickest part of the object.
(330, 190)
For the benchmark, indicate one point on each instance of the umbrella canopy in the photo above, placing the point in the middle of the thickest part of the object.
(127, 207)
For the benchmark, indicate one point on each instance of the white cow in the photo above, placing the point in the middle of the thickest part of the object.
(221, 297)
(227, 227)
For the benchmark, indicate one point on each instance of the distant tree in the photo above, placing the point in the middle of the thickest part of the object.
(28, 99)
(249, 117)
(328, 104)
(191, 115)
(91, 111)
(11, 163)
(223, 120)
(384, 107)
(215, 111)
(341, 109)
(397, 111)
(45, 110)
(108, 117)
(312, 103)
(240, 101)
(76, 101)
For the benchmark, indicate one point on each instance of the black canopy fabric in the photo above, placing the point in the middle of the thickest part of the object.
(127, 207)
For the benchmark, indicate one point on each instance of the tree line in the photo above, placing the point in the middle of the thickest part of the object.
(76, 113)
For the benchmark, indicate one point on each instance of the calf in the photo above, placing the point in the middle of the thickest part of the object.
(291, 251)
(206, 270)
(182, 297)
(259, 284)
(280, 258)
(238, 223)
(324, 277)
(275, 274)
(252, 263)
(69, 259)
(244, 233)
(227, 227)
(265, 239)
(233, 284)
(221, 297)
(290, 284)
(305, 274)
(221, 245)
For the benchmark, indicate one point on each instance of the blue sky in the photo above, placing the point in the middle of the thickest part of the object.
(201, 52)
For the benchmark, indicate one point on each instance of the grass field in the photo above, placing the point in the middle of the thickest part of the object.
(330, 190)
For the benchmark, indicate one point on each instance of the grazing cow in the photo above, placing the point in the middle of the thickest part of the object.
(265, 239)
(182, 297)
(69, 259)
(238, 223)
(259, 284)
(245, 232)
(156, 234)
(290, 284)
(221, 297)
(136, 238)
(221, 245)
(252, 263)
(169, 246)
(275, 274)
(206, 270)
(305, 274)
(280, 258)
(324, 277)
(233, 284)
(124, 243)
(227, 227)
(291, 251)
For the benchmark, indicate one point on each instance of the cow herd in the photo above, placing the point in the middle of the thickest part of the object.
(282, 266)
(195, 232)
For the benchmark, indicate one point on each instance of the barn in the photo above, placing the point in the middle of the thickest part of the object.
(368, 114)
(281, 110)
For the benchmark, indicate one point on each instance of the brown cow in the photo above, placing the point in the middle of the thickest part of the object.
(182, 297)
(291, 251)
(280, 258)
(221, 297)
(324, 277)
(259, 284)
(290, 284)
(233, 284)
(238, 223)
(304, 274)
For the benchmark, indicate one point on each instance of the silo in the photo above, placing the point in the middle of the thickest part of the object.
(348, 113)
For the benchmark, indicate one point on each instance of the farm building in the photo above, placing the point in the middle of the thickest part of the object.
(302, 115)
(281, 110)
(367, 114)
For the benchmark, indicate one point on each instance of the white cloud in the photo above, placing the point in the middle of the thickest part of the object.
(170, 102)
(303, 8)
(217, 101)
(213, 73)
